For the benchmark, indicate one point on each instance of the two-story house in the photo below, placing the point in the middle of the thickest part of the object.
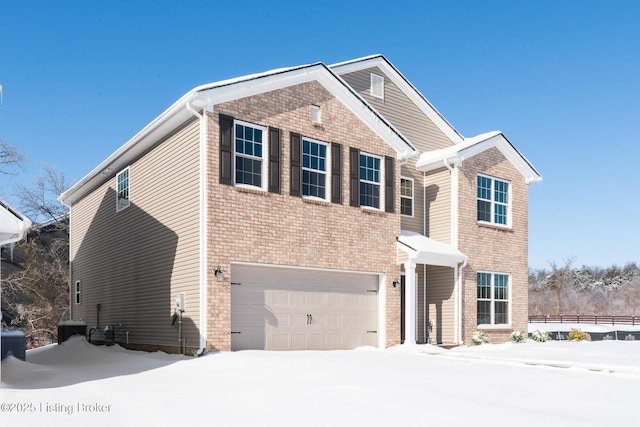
(312, 207)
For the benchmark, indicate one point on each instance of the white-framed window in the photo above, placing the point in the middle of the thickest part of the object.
(314, 169)
(249, 154)
(377, 86)
(77, 291)
(493, 298)
(370, 180)
(493, 201)
(122, 190)
(406, 196)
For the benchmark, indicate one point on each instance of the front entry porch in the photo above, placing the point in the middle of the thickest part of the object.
(431, 290)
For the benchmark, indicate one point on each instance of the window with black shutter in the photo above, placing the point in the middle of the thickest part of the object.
(226, 149)
(296, 172)
(274, 160)
(336, 173)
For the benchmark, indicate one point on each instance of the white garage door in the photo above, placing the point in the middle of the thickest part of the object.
(293, 309)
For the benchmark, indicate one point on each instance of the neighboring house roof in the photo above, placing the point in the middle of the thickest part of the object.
(405, 86)
(205, 96)
(12, 224)
(423, 250)
(456, 154)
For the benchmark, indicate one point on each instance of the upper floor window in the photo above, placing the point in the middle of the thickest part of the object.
(314, 169)
(370, 180)
(77, 291)
(249, 154)
(377, 86)
(493, 298)
(122, 192)
(406, 196)
(493, 200)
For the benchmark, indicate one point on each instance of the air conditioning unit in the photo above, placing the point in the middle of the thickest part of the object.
(13, 344)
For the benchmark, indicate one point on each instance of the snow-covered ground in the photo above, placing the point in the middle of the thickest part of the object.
(528, 384)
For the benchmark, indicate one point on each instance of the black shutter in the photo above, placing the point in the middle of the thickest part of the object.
(336, 173)
(296, 170)
(274, 160)
(389, 184)
(354, 177)
(226, 149)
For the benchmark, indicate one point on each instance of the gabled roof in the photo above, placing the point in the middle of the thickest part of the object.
(405, 86)
(205, 96)
(424, 250)
(12, 224)
(456, 154)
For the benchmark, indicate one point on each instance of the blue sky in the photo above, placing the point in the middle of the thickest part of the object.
(560, 78)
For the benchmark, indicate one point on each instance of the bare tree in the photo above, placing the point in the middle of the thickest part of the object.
(10, 158)
(37, 291)
(39, 201)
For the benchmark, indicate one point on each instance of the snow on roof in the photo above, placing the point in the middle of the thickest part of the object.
(425, 250)
(12, 224)
(470, 147)
(405, 86)
(228, 90)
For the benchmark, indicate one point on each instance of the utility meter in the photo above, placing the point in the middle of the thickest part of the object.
(181, 304)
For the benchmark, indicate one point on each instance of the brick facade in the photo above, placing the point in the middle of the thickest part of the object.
(279, 229)
(493, 249)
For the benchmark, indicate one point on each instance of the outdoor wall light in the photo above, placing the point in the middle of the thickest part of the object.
(219, 274)
(396, 285)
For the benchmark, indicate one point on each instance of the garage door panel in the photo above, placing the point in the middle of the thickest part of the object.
(298, 341)
(334, 321)
(278, 298)
(280, 341)
(248, 297)
(298, 299)
(302, 309)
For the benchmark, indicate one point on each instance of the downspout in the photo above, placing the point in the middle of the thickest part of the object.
(425, 310)
(460, 291)
(425, 331)
(68, 206)
(202, 227)
(457, 297)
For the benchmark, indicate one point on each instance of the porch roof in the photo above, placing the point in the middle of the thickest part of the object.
(12, 224)
(423, 250)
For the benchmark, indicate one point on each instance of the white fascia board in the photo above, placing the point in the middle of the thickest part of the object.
(424, 250)
(330, 81)
(142, 141)
(458, 154)
(13, 224)
(229, 90)
(405, 86)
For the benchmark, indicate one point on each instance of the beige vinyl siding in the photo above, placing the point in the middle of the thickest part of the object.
(399, 110)
(412, 123)
(135, 261)
(438, 205)
(440, 301)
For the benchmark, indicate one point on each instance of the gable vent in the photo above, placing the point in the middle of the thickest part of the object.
(377, 86)
(315, 114)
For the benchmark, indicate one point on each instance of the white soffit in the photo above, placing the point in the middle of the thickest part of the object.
(228, 90)
(456, 154)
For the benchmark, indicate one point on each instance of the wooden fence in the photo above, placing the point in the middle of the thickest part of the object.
(585, 318)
